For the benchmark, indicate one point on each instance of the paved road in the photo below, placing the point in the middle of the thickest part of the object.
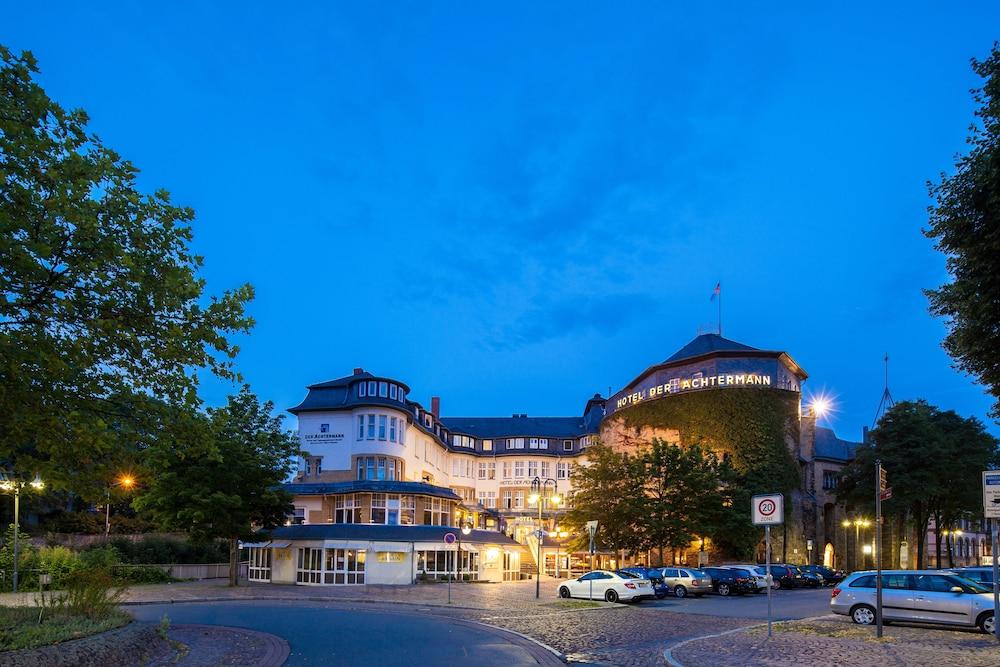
(325, 634)
(786, 605)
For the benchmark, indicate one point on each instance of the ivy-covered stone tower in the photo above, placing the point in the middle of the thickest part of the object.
(744, 403)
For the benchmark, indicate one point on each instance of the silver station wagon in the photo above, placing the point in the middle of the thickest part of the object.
(922, 596)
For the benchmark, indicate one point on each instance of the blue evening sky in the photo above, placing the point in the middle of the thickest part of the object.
(517, 205)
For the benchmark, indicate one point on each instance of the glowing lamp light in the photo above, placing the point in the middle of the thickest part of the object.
(846, 523)
(553, 533)
(533, 498)
(867, 549)
(37, 483)
(821, 406)
(127, 481)
(556, 499)
(466, 529)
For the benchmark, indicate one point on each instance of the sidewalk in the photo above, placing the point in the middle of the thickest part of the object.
(510, 596)
(835, 640)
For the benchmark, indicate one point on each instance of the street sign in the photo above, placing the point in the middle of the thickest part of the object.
(991, 494)
(768, 509)
(883, 481)
(886, 493)
(449, 538)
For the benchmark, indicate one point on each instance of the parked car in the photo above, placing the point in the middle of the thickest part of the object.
(756, 573)
(923, 596)
(607, 585)
(682, 581)
(809, 578)
(726, 582)
(830, 576)
(783, 576)
(981, 575)
(660, 588)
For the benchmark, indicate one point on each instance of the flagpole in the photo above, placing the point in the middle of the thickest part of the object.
(720, 309)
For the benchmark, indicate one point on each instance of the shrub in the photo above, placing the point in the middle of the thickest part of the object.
(92, 594)
(99, 558)
(168, 550)
(141, 574)
(59, 562)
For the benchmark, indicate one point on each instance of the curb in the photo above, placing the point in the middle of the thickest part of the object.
(669, 658)
(542, 653)
(265, 598)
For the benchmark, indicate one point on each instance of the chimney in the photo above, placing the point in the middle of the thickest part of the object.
(359, 371)
(436, 406)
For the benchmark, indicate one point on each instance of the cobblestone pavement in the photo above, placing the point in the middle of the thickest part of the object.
(215, 646)
(835, 640)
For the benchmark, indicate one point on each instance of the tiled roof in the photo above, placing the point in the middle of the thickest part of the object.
(706, 344)
(362, 531)
(829, 446)
(507, 427)
(372, 486)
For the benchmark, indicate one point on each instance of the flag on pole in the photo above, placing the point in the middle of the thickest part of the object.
(717, 291)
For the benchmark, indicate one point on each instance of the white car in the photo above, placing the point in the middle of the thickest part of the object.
(757, 572)
(607, 585)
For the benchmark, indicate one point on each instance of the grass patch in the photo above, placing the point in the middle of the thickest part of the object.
(834, 631)
(19, 626)
(572, 604)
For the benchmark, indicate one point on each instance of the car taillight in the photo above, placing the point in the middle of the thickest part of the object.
(627, 585)
(835, 592)
(696, 582)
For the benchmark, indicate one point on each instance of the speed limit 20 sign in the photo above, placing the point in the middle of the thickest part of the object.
(768, 509)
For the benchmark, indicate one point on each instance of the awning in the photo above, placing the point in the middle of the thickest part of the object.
(347, 544)
(394, 547)
(282, 544)
(254, 545)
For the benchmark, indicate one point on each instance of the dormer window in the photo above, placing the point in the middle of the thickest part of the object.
(372, 387)
(383, 389)
(392, 391)
(567, 445)
(361, 390)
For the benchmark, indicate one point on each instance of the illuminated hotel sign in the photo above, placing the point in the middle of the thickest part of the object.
(678, 385)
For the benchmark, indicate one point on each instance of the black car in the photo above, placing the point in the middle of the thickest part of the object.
(727, 582)
(783, 576)
(830, 576)
(809, 578)
(655, 578)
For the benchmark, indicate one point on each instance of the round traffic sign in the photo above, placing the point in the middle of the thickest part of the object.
(766, 507)
(449, 538)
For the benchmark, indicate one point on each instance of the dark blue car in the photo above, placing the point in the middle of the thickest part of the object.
(655, 577)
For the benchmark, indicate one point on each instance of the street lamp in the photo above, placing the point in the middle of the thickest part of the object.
(466, 529)
(126, 481)
(846, 523)
(539, 494)
(951, 544)
(12, 485)
(858, 524)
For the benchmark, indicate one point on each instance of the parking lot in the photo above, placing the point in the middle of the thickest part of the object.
(786, 604)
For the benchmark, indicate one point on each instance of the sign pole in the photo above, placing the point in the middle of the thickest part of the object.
(879, 488)
(768, 510)
(767, 566)
(996, 584)
(592, 529)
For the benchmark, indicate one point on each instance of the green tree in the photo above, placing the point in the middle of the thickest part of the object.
(933, 461)
(684, 494)
(100, 299)
(610, 490)
(965, 224)
(222, 478)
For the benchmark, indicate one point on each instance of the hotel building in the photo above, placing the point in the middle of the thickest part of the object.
(385, 483)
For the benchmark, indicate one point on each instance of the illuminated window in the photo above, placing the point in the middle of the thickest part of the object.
(487, 445)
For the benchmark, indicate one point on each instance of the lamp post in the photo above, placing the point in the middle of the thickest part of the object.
(858, 524)
(539, 494)
(125, 481)
(13, 485)
(466, 529)
(953, 533)
(846, 524)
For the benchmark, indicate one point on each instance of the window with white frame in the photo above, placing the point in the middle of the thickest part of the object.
(382, 422)
(378, 508)
(299, 516)
(562, 471)
(518, 499)
(407, 510)
(392, 429)
(371, 427)
(344, 566)
(260, 564)
(532, 468)
(383, 389)
(435, 512)
(546, 472)
(506, 469)
(309, 567)
(487, 445)
(362, 389)
(447, 563)
(392, 391)
(567, 445)
(506, 499)
(533, 443)
(482, 470)
(361, 427)
(491, 471)
(518, 469)
(487, 498)
(346, 509)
